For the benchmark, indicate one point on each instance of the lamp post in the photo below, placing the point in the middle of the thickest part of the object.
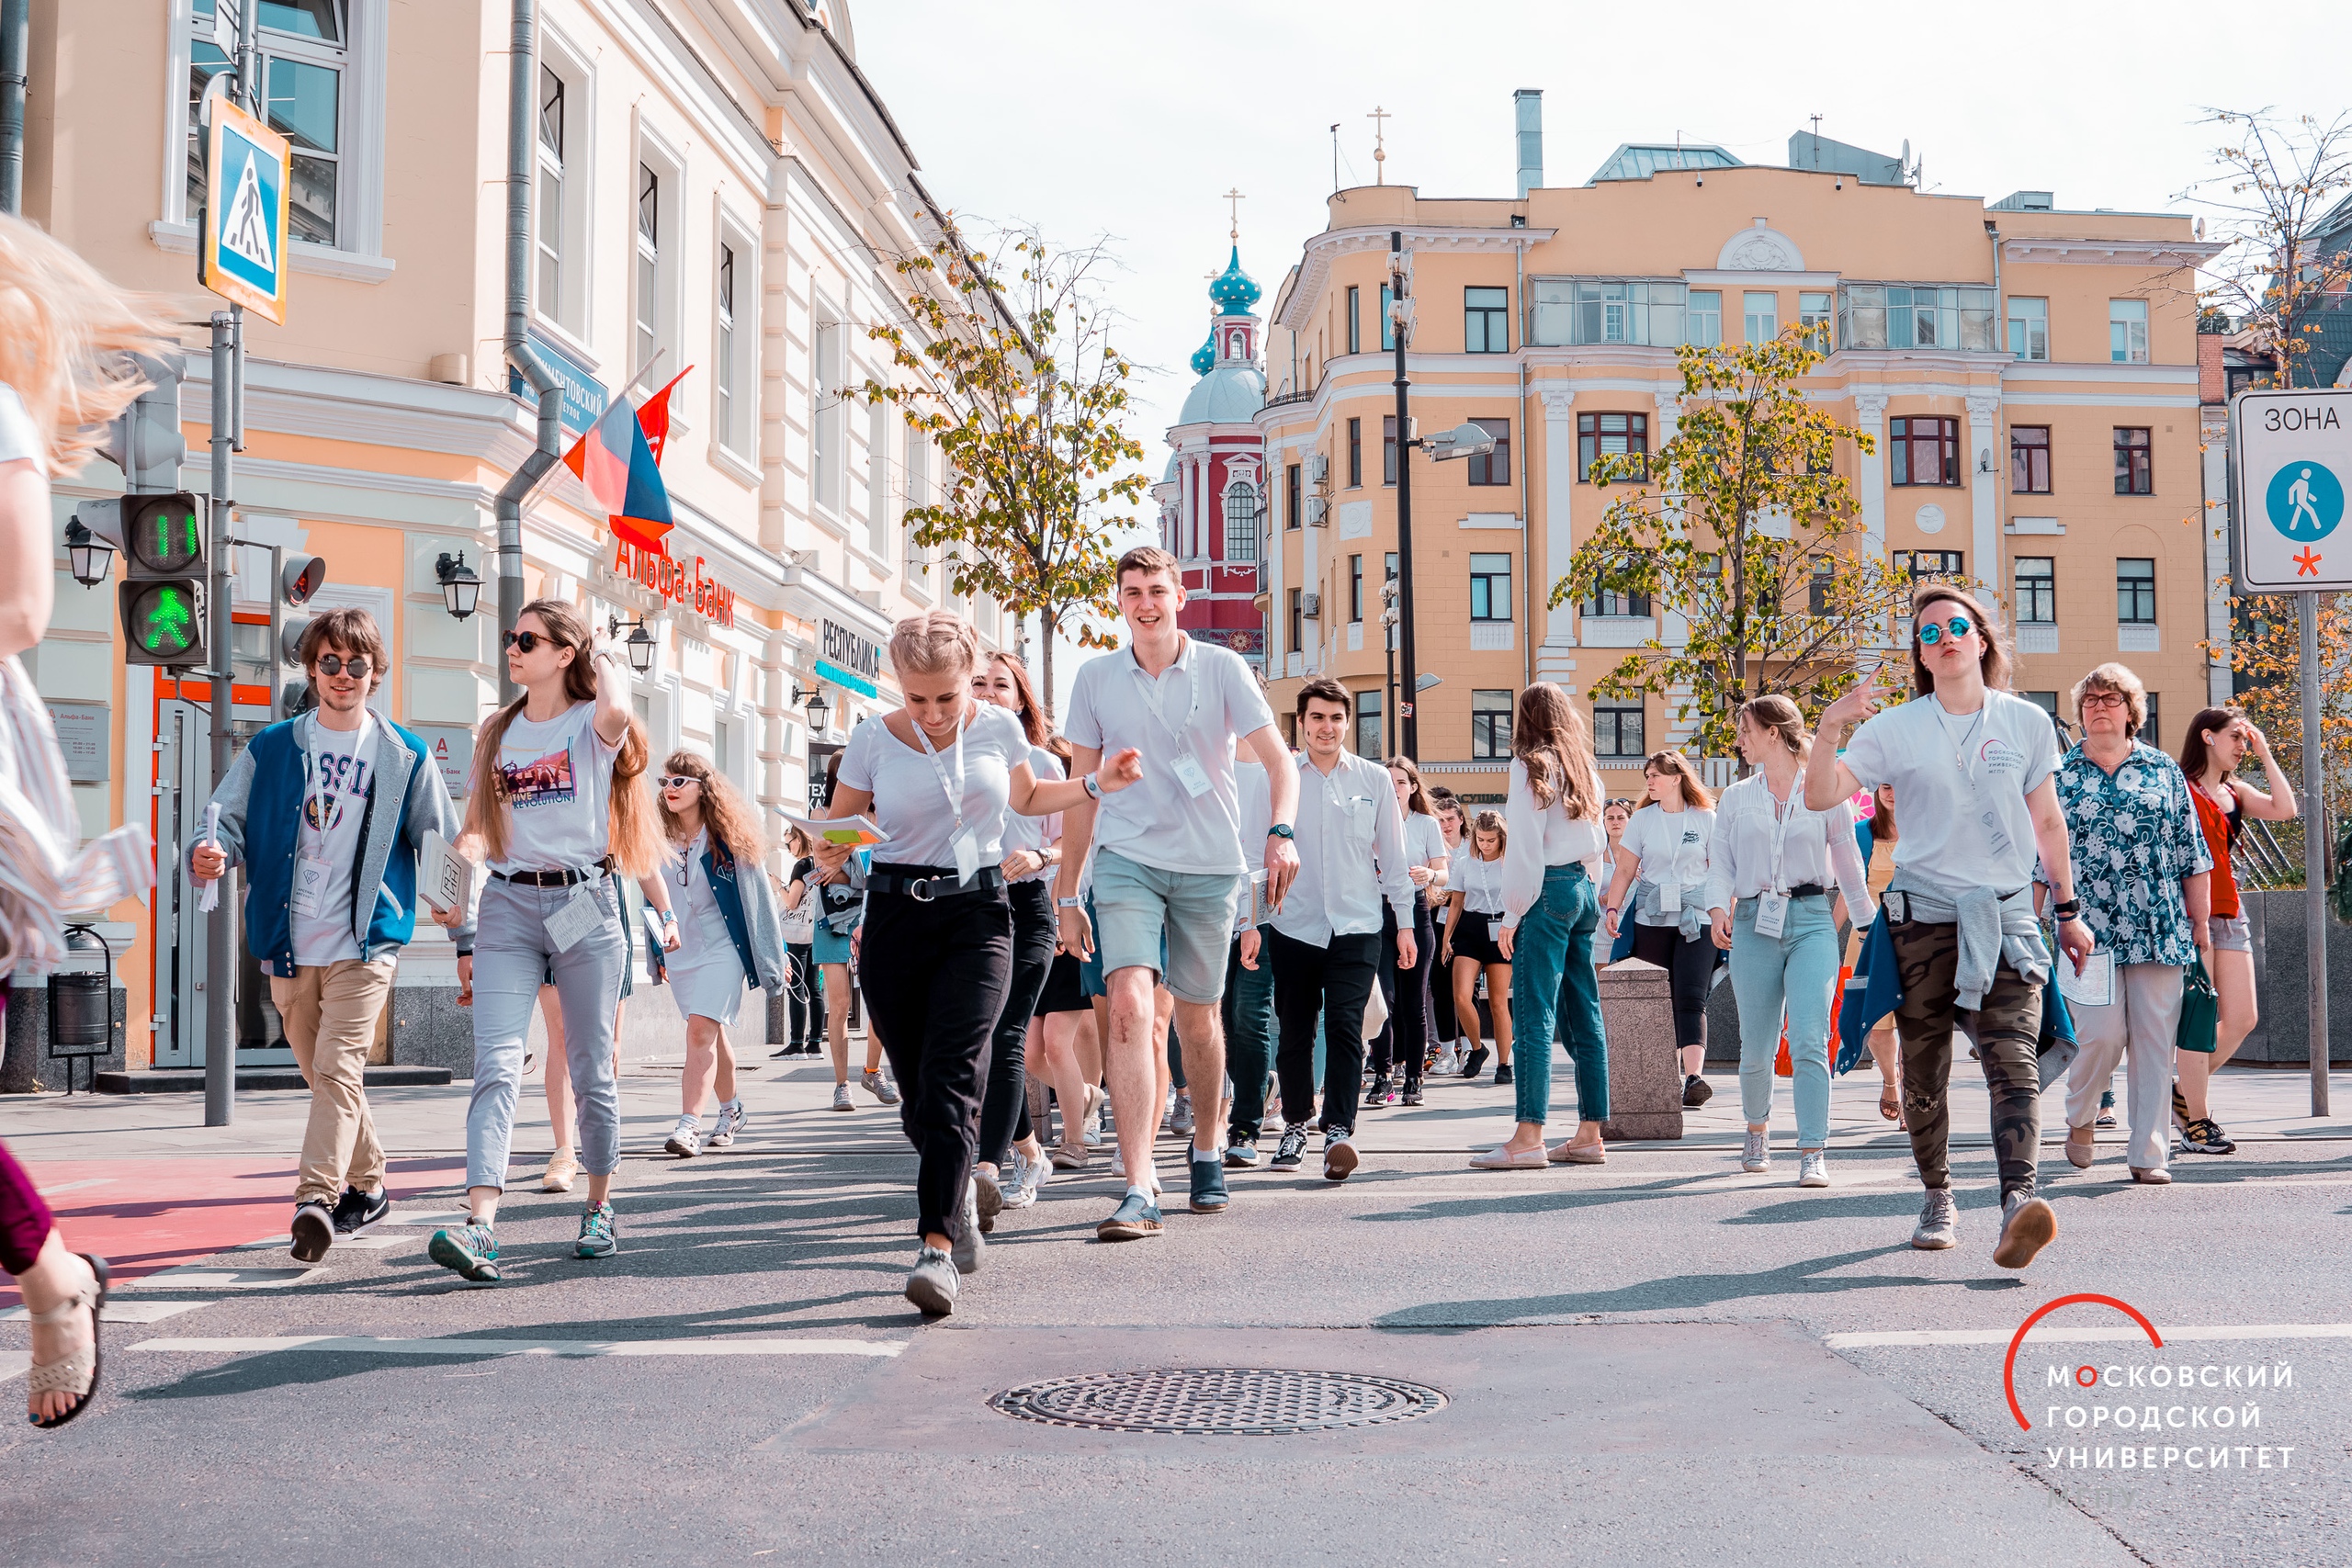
(821, 713)
(1408, 733)
(641, 644)
(93, 557)
(460, 585)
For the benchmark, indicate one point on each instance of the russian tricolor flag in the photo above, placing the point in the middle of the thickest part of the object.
(621, 471)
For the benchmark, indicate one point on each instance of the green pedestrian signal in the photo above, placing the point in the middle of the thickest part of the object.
(166, 554)
(166, 620)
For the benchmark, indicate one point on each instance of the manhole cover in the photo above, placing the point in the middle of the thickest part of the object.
(1236, 1401)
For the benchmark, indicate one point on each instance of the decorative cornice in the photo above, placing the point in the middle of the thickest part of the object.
(2167, 254)
(1307, 281)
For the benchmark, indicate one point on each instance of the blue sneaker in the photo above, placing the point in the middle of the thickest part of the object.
(1241, 1154)
(596, 1238)
(1209, 1196)
(470, 1250)
(1136, 1217)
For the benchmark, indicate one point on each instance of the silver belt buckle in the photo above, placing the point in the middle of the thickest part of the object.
(921, 891)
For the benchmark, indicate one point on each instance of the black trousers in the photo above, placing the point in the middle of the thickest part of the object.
(802, 1002)
(944, 969)
(1440, 989)
(1402, 1041)
(1335, 983)
(1004, 1112)
(1689, 963)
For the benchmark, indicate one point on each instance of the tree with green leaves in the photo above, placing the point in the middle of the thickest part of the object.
(1744, 538)
(1010, 369)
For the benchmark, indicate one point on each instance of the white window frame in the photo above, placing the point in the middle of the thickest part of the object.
(1823, 316)
(2131, 316)
(735, 379)
(917, 493)
(827, 429)
(1703, 327)
(879, 490)
(575, 255)
(2029, 334)
(660, 313)
(1764, 325)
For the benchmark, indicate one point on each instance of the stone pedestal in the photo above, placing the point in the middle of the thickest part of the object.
(1645, 1074)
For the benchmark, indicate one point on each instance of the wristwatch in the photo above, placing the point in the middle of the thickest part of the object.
(1282, 830)
(2066, 908)
(1092, 789)
(1069, 903)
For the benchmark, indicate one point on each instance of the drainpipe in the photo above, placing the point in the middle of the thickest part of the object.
(1526, 455)
(521, 96)
(16, 46)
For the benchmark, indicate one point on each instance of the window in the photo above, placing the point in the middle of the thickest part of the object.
(1368, 741)
(2135, 590)
(918, 495)
(648, 267)
(1490, 726)
(1762, 309)
(1489, 587)
(825, 375)
(1923, 451)
(877, 478)
(1816, 314)
(2036, 593)
(1925, 564)
(1387, 332)
(1609, 602)
(1602, 436)
(2127, 331)
(1241, 521)
(1355, 324)
(549, 216)
(1486, 321)
(1355, 588)
(1820, 589)
(1290, 497)
(2029, 329)
(1297, 622)
(304, 48)
(1388, 449)
(2030, 460)
(1706, 316)
(2147, 733)
(1355, 453)
(2135, 467)
(1897, 315)
(1492, 468)
(1617, 732)
(734, 353)
(1583, 310)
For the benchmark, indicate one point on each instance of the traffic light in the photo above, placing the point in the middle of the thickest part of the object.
(165, 557)
(298, 576)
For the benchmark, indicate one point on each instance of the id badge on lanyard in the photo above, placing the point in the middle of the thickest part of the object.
(966, 842)
(579, 915)
(1186, 767)
(309, 898)
(1773, 904)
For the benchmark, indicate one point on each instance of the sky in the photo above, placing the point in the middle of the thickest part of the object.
(1131, 121)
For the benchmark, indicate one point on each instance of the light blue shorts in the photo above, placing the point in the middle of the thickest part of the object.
(1141, 906)
(827, 947)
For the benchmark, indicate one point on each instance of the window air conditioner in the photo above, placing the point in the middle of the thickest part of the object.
(1318, 468)
(1310, 605)
(1314, 511)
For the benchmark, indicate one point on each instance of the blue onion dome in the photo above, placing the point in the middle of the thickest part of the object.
(1234, 291)
(1204, 357)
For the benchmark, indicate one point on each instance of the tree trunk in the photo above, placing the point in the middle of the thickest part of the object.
(1046, 667)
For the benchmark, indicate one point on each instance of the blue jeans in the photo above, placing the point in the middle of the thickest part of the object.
(1553, 985)
(1248, 1039)
(1798, 970)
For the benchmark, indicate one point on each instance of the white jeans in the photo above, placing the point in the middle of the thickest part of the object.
(2137, 1028)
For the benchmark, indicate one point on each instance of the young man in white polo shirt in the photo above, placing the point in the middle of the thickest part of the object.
(1167, 858)
(1326, 941)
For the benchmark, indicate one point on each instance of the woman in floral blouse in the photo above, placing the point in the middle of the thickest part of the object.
(2141, 866)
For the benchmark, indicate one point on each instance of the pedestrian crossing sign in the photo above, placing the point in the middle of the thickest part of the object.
(2293, 452)
(242, 254)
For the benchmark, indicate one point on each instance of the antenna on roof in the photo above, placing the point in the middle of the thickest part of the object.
(1335, 156)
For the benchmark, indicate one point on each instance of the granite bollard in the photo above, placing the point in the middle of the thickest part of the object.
(1644, 1072)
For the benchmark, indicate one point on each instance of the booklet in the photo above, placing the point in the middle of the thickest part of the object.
(855, 831)
(443, 877)
(2095, 987)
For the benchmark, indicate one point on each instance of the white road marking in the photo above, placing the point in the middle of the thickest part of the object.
(77, 1186)
(15, 1363)
(2103, 1335)
(124, 1312)
(212, 1276)
(366, 1346)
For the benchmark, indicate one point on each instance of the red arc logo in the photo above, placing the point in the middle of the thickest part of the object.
(2009, 1366)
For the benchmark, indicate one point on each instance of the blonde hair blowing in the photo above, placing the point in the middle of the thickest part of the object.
(934, 643)
(63, 331)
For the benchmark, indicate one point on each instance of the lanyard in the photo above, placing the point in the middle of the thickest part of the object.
(310, 765)
(954, 791)
(1155, 701)
(1782, 815)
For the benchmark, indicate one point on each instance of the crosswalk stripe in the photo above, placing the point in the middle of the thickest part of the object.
(358, 1345)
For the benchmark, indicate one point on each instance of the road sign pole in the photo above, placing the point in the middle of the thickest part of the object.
(220, 982)
(2315, 846)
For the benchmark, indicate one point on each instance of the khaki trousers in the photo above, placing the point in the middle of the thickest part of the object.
(330, 1012)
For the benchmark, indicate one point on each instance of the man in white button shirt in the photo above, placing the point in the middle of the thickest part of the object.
(1327, 935)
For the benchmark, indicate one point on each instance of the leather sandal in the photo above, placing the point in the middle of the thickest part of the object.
(77, 1373)
(1890, 1099)
(2079, 1153)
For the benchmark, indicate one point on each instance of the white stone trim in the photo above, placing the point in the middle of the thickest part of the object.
(2167, 254)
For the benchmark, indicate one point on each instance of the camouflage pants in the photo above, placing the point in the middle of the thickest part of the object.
(2006, 1027)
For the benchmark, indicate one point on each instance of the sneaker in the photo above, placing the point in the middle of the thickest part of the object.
(1412, 1095)
(1756, 1158)
(1136, 1217)
(356, 1211)
(470, 1250)
(880, 1088)
(562, 1167)
(2105, 1110)
(2028, 1225)
(1474, 1061)
(313, 1230)
(1018, 1184)
(1339, 1153)
(1241, 1154)
(1063, 1158)
(685, 1139)
(1181, 1123)
(842, 1100)
(1292, 1150)
(732, 1119)
(1696, 1091)
(969, 1247)
(1446, 1063)
(2204, 1136)
(790, 1049)
(1502, 1073)
(1938, 1222)
(1382, 1093)
(932, 1285)
(1812, 1168)
(1208, 1194)
(1090, 1126)
(596, 1238)
(989, 1192)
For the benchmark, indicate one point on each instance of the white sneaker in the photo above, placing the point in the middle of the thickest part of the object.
(1812, 1168)
(1019, 1180)
(1090, 1126)
(1756, 1158)
(732, 1119)
(685, 1139)
(1449, 1063)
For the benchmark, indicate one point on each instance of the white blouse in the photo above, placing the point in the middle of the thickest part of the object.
(1818, 846)
(1546, 836)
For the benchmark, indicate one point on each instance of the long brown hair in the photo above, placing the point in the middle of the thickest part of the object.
(2193, 749)
(1025, 691)
(1694, 790)
(632, 839)
(734, 825)
(1994, 662)
(1416, 794)
(1548, 735)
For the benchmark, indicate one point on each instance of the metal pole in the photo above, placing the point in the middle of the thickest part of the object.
(2314, 855)
(15, 48)
(1408, 734)
(522, 162)
(220, 981)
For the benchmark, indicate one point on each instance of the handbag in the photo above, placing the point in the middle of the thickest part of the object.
(2200, 1009)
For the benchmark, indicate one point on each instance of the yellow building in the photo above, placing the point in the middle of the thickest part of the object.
(2028, 374)
(718, 190)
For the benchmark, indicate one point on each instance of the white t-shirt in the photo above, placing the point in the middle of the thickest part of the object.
(19, 439)
(560, 787)
(909, 803)
(1480, 882)
(1959, 785)
(1424, 840)
(337, 768)
(1670, 846)
(1034, 833)
(1205, 701)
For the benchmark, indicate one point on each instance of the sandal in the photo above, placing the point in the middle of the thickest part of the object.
(77, 1374)
(1890, 1099)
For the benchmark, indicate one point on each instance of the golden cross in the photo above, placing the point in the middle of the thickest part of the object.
(1379, 144)
(1233, 200)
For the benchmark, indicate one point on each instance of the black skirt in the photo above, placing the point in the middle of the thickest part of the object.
(1474, 937)
(1062, 992)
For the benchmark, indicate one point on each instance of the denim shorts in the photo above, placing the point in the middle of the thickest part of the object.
(2231, 933)
(829, 946)
(1090, 983)
(1177, 922)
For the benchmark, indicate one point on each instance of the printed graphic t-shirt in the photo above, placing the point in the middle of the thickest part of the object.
(339, 765)
(558, 777)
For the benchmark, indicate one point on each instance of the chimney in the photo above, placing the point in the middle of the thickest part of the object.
(1528, 103)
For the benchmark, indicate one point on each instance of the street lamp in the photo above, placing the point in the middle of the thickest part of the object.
(93, 556)
(640, 643)
(821, 712)
(460, 586)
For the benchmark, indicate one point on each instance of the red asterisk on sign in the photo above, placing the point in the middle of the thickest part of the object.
(2307, 563)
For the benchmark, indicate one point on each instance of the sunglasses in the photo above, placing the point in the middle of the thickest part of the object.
(1933, 632)
(529, 641)
(335, 664)
(676, 781)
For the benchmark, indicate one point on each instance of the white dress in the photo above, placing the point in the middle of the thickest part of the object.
(705, 973)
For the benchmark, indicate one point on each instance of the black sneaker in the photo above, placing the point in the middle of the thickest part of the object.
(1291, 1150)
(356, 1211)
(1502, 1073)
(1472, 1062)
(1696, 1091)
(2204, 1136)
(788, 1051)
(313, 1231)
(1383, 1091)
(1413, 1092)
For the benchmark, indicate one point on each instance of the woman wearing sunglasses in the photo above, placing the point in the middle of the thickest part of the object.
(730, 935)
(1973, 764)
(559, 807)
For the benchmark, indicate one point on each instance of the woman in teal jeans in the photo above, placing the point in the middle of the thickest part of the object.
(1551, 908)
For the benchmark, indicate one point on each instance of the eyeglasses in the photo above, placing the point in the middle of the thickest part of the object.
(1932, 632)
(529, 641)
(2103, 700)
(334, 664)
(676, 781)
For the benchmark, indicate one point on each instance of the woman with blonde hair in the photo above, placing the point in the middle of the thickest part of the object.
(731, 936)
(1662, 859)
(559, 809)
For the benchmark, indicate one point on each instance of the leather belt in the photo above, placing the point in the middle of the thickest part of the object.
(927, 889)
(555, 878)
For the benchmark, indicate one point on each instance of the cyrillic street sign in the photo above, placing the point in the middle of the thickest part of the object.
(240, 256)
(2294, 461)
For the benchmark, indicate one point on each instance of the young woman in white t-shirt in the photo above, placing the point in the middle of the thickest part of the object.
(1399, 1051)
(559, 809)
(938, 777)
(1474, 889)
(1662, 860)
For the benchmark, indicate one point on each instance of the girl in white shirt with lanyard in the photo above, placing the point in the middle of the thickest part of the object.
(937, 777)
(1475, 890)
(1770, 892)
(1665, 845)
(1399, 1050)
(559, 806)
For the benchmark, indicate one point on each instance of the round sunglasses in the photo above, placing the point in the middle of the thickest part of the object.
(335, 664)
(1933, 632)
(529, 641)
